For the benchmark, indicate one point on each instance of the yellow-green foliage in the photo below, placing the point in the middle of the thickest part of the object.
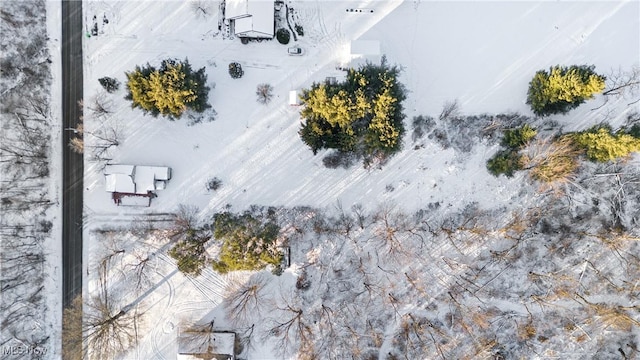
(603, 145)
(363, 114)
(384, 131)
(569, 85)
(563, 88)
(516, 138)
(169, 90)
(248, 242)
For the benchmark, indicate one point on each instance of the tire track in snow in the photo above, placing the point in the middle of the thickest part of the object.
(520, 65)
(210, 285)
(158, 330)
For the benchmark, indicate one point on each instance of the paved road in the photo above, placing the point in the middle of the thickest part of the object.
(73, 166)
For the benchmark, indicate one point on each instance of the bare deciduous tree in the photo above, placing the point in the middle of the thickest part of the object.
(202, 8)
(450, 109)
(106, 135)
(264, 92)
(108, 327)
(289, 330)
(245, 301)
(185, 220)
(623, 83)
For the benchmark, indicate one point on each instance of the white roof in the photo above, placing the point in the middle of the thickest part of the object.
(134, 179)
(365, 47)
(146, 176)
(119, 169)
(192, 343)
(252, 18)
(120, 183)
(293, 97)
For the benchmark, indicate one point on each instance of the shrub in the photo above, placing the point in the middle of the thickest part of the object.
(213, 184)
(517, 138)
(338, 159)
(248, 242)
(601, 144)
(235, 70)
(283, 35)
(362, 115)
(299, 29)
(110, 84)
(505, 162)
(169, 90)
(563, 88)
(421, 125)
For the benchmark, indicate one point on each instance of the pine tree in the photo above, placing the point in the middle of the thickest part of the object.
(362, 115)
(563, 88)
(602, 145)
(505, 162)
(248, 242)
(190, 255)
(517, 138)
(170, 90)
(110, 84)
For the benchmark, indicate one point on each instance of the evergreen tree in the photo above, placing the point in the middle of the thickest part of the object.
(110, 84)
(602, 145)
(190, 254)
(563, 88)
(505, 162)
(169, 90)
(517, 138)
(362, 115)
(248, 242)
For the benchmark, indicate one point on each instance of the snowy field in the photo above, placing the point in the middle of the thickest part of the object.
(481, 53)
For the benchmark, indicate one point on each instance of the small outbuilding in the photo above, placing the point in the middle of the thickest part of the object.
(251, 18)
(294, 98)
(198, 345)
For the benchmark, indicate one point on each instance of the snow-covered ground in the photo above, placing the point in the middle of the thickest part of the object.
(481, 53)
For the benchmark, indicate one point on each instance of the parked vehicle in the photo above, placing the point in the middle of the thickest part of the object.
(296, 51)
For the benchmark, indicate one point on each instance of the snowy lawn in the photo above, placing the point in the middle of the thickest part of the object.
(481, 53)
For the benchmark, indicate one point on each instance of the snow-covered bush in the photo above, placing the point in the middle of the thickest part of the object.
(213, 184)
(283, 35)
(235, 70)
(110, 84)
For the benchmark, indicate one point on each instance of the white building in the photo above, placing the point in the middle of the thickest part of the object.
(251, 18)
(294, 98)
(131, 184)
(198, 345)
